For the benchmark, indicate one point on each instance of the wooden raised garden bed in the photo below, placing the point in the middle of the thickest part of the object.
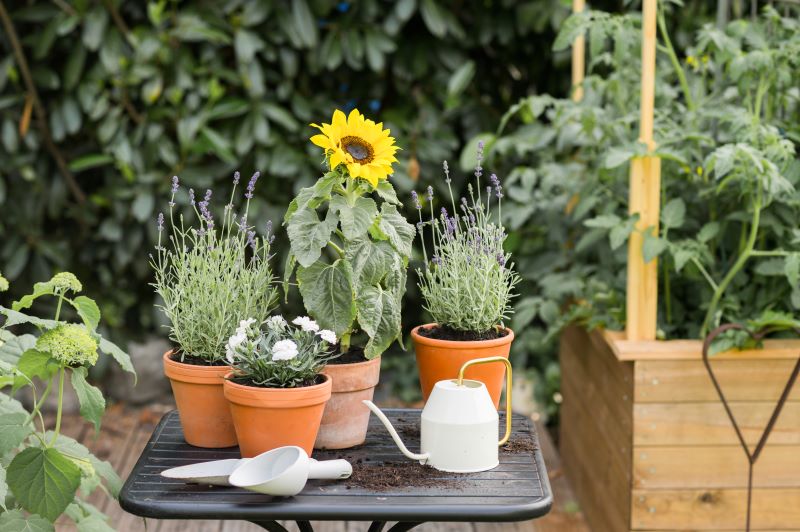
(645, 439)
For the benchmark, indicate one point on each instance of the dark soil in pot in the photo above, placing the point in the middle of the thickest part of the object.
(446, 333)
(353, 356)
(183, 358)
(247, 381)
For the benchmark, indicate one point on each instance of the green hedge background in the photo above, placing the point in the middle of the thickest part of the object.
(133, 92)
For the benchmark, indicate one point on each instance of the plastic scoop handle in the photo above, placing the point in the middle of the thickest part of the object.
(329, 469)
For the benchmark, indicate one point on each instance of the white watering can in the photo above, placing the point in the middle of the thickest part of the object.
(459, 424)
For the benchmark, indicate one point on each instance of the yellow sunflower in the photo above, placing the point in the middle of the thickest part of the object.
(360, 144)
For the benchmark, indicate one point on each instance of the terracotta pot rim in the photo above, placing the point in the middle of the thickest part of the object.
(355, 364)
(348, 378)
(277, 397)
(459, 344)
(192, 373)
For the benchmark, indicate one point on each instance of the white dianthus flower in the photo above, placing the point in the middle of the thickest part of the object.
(328, 335)
(284, 350)
(244, 324)
(276, 323)
(306, 323)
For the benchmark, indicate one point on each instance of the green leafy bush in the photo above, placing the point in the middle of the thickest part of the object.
(44, 472)
(727, 132)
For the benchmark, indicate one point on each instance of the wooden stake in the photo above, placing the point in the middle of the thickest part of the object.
(578, 57)
(645, 194)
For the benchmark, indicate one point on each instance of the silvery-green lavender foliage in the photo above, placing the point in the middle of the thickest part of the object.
(281, 354)
(210, 278)
(468, 283)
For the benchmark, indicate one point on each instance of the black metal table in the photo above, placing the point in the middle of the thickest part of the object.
(516, 490)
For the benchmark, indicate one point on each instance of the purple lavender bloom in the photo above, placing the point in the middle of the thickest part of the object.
(160, 222)
(201, 233)
(415, 199)
(479, 156)
(436, 260)
(242, 223)
(471, 218)
(270, 236)
(430, 193)
(501, 259)
(420, 225)
(251, 186)
(498, 188)
(175, 184)
(251, 240)
(236, 176)
(446, 172)
(207, 198)
(191, 196)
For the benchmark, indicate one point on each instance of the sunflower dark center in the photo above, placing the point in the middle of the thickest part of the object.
(358, 148)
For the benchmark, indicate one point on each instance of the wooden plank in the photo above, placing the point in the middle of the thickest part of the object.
(715, 509)
(179, 525)
(578, 57)
(630, 350)
(672, 381)
(707, 423)
(644, 197)
(595, 445)
(714, 467)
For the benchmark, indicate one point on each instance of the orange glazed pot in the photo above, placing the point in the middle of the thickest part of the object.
(204, 413)
(267, 418)
(440, 360)
(344, 423)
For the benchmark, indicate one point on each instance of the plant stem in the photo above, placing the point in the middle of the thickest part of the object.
(336, 248)
(773, 253)
(38, 405)
(62, 371)
(58, 306)
(737, 266)
(673, 57)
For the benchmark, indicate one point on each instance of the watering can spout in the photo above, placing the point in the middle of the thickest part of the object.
(393, 433)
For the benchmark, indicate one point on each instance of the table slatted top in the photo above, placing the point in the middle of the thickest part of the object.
(516, 490)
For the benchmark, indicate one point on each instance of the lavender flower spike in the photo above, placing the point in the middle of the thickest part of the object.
(415, 199)
(160, 222)
(175, 184)
(498, 188)
(446, 172)
(236, 176)
(251, 186)
(479, 157)
(430, 193)
(191, 196)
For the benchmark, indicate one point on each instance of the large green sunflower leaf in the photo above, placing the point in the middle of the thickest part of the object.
(379, 317)
(308, 235)
(356, 218)
(396, 228)
(16, 521)
(327, 291)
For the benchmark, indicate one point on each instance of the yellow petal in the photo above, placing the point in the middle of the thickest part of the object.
(339, 120)
(337, 158)
(322, 141)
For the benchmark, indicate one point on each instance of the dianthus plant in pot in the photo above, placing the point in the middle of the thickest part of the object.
(209, 276)
(350, 247)
(467, 283)
(276, 392)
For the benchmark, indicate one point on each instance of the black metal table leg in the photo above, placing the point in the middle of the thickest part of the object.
(376, 526)
(403, 527)
(272, 526)
(305, 526)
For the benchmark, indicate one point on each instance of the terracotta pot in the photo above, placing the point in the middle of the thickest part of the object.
(205, 416)
(440, 360)
(267, 418)
(344, 423)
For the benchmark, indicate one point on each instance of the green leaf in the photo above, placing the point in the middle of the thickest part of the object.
(13, 429)
(379, 317)
(681, 256)
(461, 78)
(386, 191)
(3, 492)
(434, 18)
(78, 452)
(617, 157)
(355, 219)
(399, 232)
(308, 235)
(88, 162)
(673, 214)
(35, 363)
(771, 267)
(14, 346)
(43, 480)
(16, 521)
(619, 234)
(94, 523)
(312, 197)
(247, 44)
(652, 246)
(118, 354)
(88, 311)
(604, 221)
(305, 23)
(39, 289)
(93, 406)
(791, 268)
(707, 232)
(370, 261)
(142, 206)
(327, 291)
(17, 318)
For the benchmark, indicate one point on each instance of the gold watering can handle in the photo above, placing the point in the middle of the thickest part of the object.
(508, 387)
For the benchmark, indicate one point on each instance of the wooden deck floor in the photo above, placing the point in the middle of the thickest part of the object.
(125, 432)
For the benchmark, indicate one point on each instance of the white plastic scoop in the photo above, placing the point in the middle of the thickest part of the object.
(283, 472)
(279, 468)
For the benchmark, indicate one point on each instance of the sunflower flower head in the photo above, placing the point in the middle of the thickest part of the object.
(70, 344)
(364, 147)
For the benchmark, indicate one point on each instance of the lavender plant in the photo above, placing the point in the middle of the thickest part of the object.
(468, 283)
(212, 277)
(281, 355)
